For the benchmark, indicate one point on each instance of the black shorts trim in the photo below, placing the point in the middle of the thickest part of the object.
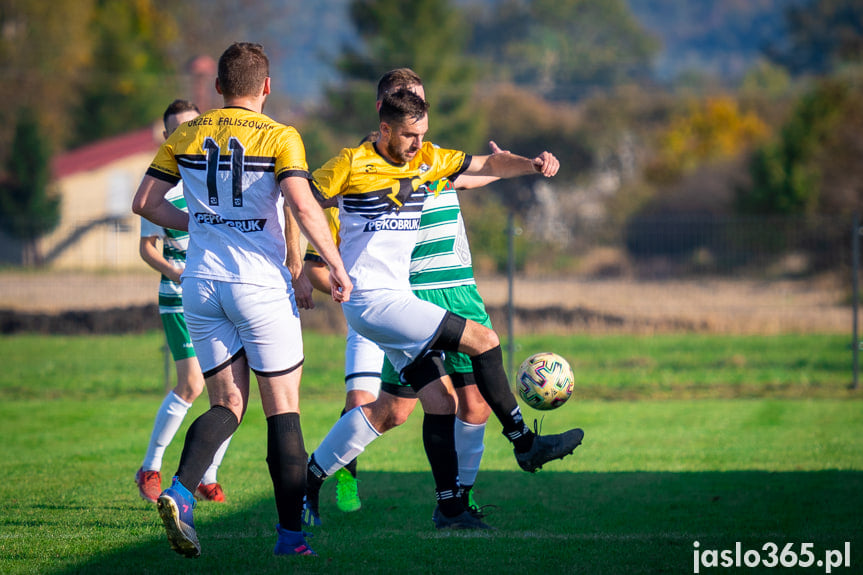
(403, 391)
(226, 363)
(278, 373)
(425, 369)
(462, 380)
(449, 332)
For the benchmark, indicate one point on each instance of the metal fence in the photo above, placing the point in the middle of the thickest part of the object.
(722, 274)
(692, 245)
(745, 275)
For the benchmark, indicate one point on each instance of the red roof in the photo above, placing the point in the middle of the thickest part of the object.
(98, 154)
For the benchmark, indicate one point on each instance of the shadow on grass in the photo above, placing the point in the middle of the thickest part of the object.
(551, 522)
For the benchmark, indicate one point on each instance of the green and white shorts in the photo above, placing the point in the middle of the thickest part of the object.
(177, 334)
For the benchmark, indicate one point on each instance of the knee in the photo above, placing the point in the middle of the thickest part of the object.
(189, 388)
(385, 413)
(474, 413)
(488, 339)
(395, 419)
(235, 404)
(186, 392)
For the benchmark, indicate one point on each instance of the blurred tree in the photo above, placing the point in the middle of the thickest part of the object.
(823, 34)
(429, 36)
(485, 221)
(524, 123)
(43, 46)
(713, 129)
(839, 158)
(129, 76)
(786, 173)
(28, 208)
(565, 49)
(268, 22)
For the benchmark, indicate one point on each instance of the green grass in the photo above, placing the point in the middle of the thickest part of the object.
(653, 476)
(605, 367)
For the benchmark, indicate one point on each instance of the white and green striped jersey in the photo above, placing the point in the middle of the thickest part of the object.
(174, 245)
(441, 257)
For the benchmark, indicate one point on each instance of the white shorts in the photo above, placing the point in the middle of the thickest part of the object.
(225, 317)
(363, 362)
(397, 320)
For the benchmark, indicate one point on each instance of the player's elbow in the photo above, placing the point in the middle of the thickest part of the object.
(138, 206)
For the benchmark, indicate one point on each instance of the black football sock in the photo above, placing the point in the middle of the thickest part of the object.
(494, 387)
(286, 458)
(439, 443)
(205, 436)
(352, 467)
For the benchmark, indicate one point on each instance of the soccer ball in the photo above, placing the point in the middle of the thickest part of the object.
(545, 380)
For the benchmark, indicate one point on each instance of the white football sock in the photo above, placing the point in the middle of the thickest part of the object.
(168, 420)
(345, 441)
(469, 446)
(210, 474)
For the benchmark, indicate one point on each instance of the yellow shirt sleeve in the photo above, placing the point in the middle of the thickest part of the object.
(291, 160)
(332, 178)
(332, 215)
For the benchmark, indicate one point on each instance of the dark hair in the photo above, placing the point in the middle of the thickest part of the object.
(178, 107)
(396, 80)
(402, 105)
(243, 67)
(371, 137)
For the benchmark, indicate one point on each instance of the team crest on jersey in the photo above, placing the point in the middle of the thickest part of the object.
(424, 168)
(370, 169)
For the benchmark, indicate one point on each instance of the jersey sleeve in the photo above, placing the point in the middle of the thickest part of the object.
(291, 160)
(164, 165)
(332, 216)
(332, 178)
(445, 163)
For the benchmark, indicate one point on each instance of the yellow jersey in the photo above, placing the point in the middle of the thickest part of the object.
(231, 161)
(380, 205)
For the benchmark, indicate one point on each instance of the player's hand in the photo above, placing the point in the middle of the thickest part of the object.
(303, 291)
(175, 275)
(495, 149)
(340, 285)
(546, 164)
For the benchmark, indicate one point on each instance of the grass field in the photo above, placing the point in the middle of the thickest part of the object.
(707, 439)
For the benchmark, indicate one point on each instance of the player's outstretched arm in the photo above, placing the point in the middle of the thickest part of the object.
(150, 202)
(465, 182)
(506, 165)
(314, 225)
